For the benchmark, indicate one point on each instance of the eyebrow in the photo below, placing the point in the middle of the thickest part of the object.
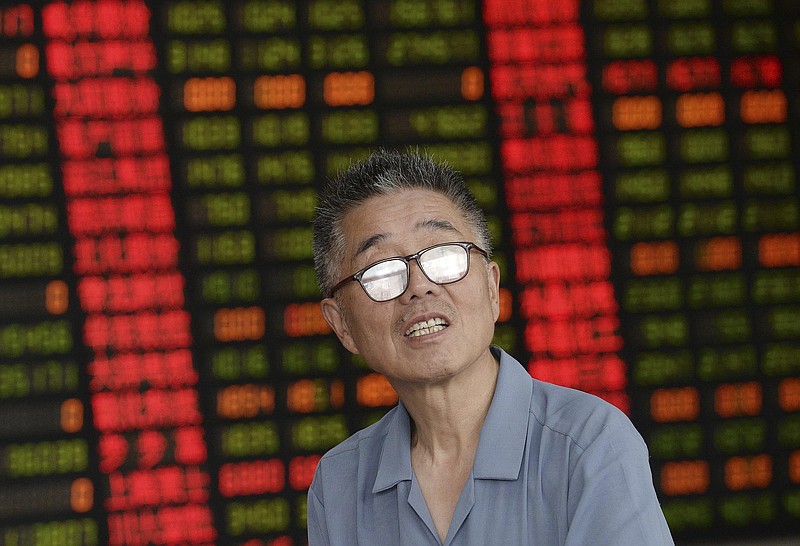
(432, 225)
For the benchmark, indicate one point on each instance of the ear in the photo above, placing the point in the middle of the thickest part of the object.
(335, 318)
(493, 279)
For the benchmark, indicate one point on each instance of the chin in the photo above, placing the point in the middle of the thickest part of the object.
(431, 375)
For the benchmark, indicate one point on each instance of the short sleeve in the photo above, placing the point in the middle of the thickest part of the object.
(612, 499)
(315, 516)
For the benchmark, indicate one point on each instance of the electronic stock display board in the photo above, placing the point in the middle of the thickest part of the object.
(165, 374)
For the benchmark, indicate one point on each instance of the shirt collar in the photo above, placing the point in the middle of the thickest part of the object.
(395, 462)
(503, 435)
(505, 430)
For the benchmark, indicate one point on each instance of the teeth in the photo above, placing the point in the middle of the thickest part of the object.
(426, 327)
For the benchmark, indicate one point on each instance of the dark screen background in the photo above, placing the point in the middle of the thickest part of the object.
(165, 373)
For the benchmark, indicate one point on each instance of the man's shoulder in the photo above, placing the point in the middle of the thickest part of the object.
(576, 414)
(362, 440)
(353, 462)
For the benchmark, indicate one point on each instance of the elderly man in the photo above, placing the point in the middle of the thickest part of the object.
(476, 452)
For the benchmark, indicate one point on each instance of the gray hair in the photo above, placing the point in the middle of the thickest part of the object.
(382, 173)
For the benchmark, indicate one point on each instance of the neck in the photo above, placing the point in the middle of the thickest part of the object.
(447, 415)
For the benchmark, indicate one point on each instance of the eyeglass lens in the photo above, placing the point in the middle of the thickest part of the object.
(385, 280)
(442, 265)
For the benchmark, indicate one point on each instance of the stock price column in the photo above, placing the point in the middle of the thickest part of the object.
(46, 477)
(553, 191)
(703, 210)
(116, 179)
(234, 124)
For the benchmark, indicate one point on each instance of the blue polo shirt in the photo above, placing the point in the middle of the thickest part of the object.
(553, 466)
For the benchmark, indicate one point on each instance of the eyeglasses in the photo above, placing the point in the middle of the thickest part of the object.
(388, 279)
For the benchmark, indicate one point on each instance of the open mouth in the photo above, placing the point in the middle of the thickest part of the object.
(426, 327)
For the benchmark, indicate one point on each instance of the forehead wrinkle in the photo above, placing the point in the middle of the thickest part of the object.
(429, 225)
(437, 225)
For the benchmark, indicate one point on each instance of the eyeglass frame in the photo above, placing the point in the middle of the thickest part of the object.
(407, 259)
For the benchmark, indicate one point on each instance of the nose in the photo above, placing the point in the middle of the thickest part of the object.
(418, 284)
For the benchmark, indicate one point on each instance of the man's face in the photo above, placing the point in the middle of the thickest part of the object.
(398, 225)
